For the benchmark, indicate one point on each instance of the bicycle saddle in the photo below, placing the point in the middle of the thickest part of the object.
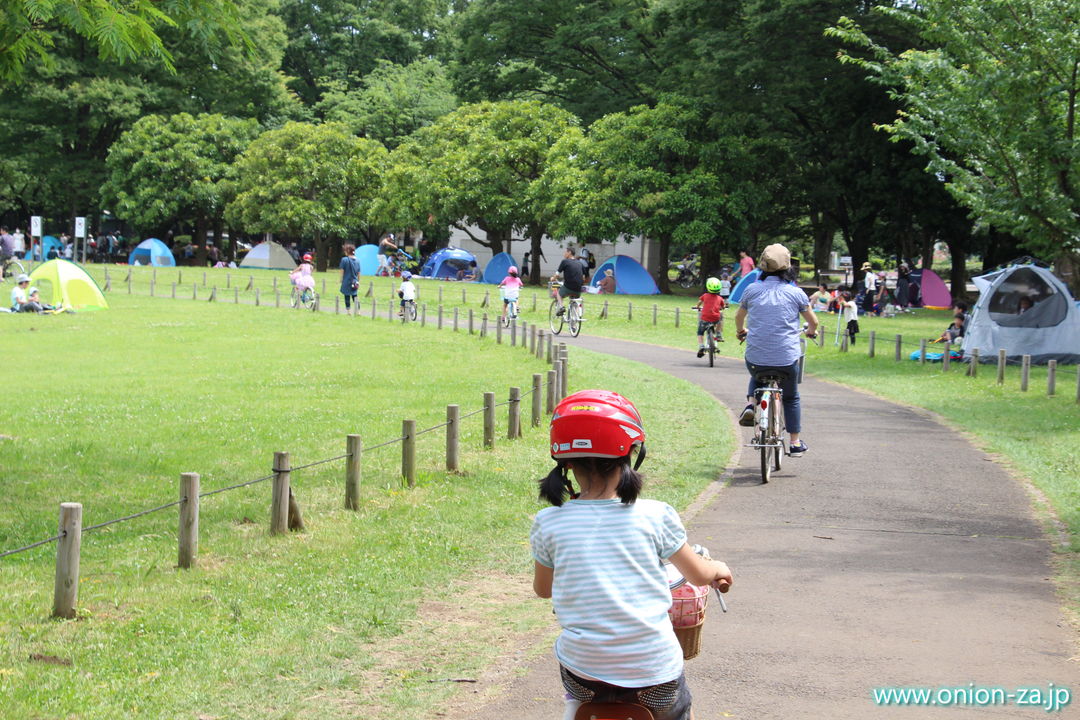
(765, 374)
(612, 711)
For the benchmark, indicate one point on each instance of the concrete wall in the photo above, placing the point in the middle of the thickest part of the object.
(645, 252)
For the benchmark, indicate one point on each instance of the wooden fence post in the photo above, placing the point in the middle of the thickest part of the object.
(228, 282)
(604, 311)
(540, 344)
(513, 420)
(498, 332)
(973, 363)
(532, 339)
(534, 302)
(464, 299)
(256, 297)
(354, 450)
(279, 499)
(1025, 372)
(471, 331)
(629, 311)
(236, 296)
(194, 291)
(922, 351)
(408, 451)
(489, 419)
(337, 304)
(390, 310)
(440, 295)
(487, 299)
(374, 308)
(563, 375)
(676, 316)
(66, 585)
(553, 379)
(453, 433)
(537, 385)
(821, 338)
(277, 297)
(654, 312)
(1051, 378)
(1001, 367)
(483, 325)
(513, 333)
(550, 340)
(946, 357)
(455, 319)
(151, 287)
(189, 520)
(439, 325)
(213, 294)
(873, 339)
(423, 315)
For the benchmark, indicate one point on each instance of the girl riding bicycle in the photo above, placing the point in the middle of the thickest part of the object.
(511, 288)
(598, 554)
(301, 277)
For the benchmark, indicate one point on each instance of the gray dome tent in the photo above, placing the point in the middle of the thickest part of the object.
(1048, 330)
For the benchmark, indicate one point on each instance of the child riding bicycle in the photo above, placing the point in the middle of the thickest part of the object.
(301, 277)
(510, 286)
(711, 308)
(406, 291)
(598, 555)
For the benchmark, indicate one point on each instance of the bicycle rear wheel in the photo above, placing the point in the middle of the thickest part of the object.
(574, 311)
(13, 269)
(554, 320)
(778, 434)
(412, 310)
(506, 318)
(710, 338)
(766, 458)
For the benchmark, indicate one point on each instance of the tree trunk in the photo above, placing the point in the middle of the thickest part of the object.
(662, 265)
(927, 250)
(710, 259)
(320, 251)
(201, 226)
(1067, 267)
(535, 235)
(823, 242)
(958, 273)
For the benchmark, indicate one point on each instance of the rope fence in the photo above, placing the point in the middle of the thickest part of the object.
(285, 511)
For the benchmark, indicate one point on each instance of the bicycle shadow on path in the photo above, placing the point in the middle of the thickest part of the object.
(893, 554)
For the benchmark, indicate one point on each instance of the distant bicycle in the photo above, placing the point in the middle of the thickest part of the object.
(13, 268)
(511, 313)
(572, 317)
(710, 341)
(408, 311)
(306, 298)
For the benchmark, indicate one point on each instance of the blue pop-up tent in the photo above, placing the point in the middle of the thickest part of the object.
(47, 243)
(744, 282)
(368, 255)
(631, 277)
(152, 252)
(495, 270)
(446, 263)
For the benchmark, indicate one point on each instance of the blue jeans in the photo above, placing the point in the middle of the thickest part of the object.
(790, 390)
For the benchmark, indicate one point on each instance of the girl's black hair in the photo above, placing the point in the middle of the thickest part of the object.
(788, 274)
(556, 487)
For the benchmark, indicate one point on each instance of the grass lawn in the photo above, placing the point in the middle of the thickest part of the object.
(322, 623)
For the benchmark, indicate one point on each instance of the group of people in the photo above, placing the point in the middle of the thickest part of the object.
(25, 298)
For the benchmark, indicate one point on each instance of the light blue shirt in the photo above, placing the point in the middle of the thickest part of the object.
(772, 323)
(610, 590)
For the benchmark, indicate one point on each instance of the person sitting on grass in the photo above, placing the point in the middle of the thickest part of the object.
(955, 332)
(607, 283)
(711, 308)
(20, 296)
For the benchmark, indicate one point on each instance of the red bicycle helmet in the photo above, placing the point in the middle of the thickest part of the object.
(596, 423)
(307, 257)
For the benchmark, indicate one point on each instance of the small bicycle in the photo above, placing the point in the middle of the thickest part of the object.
(408, 311)
(511, 313)
(711, 334)
(573, 315)
(13, 268)
(306, 298)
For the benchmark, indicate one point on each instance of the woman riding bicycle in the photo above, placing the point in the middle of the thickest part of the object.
(598, 555)
(773, 306)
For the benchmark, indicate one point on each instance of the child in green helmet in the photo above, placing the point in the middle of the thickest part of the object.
(711, 306)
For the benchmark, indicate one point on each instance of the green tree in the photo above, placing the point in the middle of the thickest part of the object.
(989, 96)
(477, 166)
(121, 31)
(654, 172)
(304, 180)
(169, 169)
(393, 101)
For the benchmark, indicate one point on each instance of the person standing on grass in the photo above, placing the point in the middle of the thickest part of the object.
(746, 264)
(850, 316)
(773, 307)
(350, 274)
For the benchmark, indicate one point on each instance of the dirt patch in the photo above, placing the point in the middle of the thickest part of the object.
(464, 645)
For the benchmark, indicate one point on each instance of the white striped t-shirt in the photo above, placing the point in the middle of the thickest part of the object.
(610, 590)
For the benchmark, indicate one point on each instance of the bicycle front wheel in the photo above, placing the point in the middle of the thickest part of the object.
(295, 301)
(555, 320)
(412, 311)
(778, 435)
(766, 458)
(507, 317)
(574, 311)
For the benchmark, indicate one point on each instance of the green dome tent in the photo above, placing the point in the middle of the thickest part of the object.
(64, 284)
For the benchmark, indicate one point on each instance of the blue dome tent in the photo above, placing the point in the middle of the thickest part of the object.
(152, 252)
(495, 270)
(47, 243)
(744, 282)
(368, 255)
(631, 278)
(446, 263)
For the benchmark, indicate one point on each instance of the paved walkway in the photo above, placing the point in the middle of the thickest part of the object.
(893, 554)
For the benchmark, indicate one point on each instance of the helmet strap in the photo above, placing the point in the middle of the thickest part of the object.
(640, 457)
